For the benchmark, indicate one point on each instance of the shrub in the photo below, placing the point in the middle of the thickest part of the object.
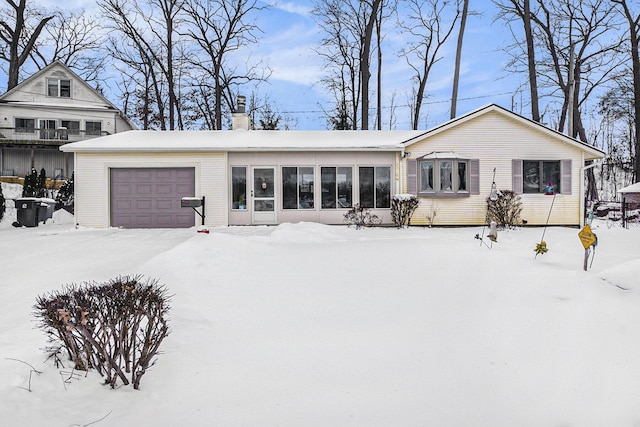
(403, 207)
(3, 206)
(115, 328)
(505, 210)
(361, 217)
(64, 198)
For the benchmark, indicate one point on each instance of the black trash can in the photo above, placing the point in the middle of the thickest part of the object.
(27, 211)
(45, 209)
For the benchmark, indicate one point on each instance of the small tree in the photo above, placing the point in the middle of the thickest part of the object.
(30, 185)
(41, 183)
(64, 199)
(505, 210)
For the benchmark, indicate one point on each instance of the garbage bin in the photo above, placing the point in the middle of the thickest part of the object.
(27, 211)
(46, 208)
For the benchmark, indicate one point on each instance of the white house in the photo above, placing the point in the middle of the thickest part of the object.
(137, 178)
(49, 109)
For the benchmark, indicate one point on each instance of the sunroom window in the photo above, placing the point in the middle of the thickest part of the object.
(441, 173)
(337, 187)
(375, 186)
(297, 188)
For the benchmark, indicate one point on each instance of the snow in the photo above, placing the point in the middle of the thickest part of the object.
(255, 140)
(314, 325)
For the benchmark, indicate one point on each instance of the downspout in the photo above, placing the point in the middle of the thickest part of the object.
(582, 190)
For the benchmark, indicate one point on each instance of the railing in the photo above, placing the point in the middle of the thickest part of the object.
(57, 136)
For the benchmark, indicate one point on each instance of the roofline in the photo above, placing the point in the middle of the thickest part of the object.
(38, 73)
(596, 152)
(230, 149)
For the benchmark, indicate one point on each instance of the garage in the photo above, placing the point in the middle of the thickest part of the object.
(150, 197)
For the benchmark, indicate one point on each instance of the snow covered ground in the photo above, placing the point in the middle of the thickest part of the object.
(313, 325)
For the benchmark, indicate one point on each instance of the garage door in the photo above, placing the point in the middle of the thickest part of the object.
(150, 197)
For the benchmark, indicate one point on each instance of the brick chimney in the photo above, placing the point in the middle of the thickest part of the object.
(240, 118)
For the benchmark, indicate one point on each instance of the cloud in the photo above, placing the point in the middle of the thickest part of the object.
(293, 7)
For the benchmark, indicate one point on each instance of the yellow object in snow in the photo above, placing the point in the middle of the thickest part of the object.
(541, 248)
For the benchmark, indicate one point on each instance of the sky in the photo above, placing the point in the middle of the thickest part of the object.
(291, 37)
(315, 325)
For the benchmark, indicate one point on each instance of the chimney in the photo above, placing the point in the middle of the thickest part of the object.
(240, 118)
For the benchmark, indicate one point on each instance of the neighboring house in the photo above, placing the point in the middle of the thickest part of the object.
(49, 109)
(137, 179)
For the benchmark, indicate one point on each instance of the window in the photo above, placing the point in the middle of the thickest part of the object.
(25, 125)
(239, 187)
(337, 187)
(443, 175)
(375, 186)
(93, 128)
(72, 126)
(538, 174)
(297, 188)
(60, 88)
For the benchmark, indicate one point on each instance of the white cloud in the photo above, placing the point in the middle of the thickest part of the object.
(293, 7)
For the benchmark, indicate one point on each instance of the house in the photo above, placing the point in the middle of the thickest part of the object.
(137, 179)
(49, 109)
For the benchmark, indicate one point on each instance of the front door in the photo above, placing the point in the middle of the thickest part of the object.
(264, 195)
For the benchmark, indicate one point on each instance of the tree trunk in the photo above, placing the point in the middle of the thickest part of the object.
(531, 60)
(456, 73)
(365, 65)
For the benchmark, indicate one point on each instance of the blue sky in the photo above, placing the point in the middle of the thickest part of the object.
(290, 37)
(289, 49)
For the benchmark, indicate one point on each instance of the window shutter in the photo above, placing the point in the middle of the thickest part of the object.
(565, 176)
(474, 176)
(412, 176)
(516, 176)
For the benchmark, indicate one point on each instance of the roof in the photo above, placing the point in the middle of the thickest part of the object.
(591, 152)
(633, 188)
(243, 140)
(5, 98)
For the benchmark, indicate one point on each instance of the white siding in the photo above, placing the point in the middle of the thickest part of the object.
(496, 140)
(92, 182)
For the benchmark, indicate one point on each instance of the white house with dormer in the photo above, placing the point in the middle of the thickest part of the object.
(49, 109)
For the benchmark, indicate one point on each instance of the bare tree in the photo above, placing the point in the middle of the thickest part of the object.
(19, 34)
(587, 27)
(349, 25)
(151, 32)
(429, 24)
(633, 20)
(75, 39)
(220, 29)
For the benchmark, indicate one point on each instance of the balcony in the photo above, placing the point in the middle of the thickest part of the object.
(42, 136)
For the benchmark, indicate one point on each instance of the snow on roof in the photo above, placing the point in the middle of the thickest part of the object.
(633, 188)
(240, 140)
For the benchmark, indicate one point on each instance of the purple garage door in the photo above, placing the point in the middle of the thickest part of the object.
(150, 197)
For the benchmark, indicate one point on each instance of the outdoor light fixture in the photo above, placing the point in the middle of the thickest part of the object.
(406, 154)
(264, 184)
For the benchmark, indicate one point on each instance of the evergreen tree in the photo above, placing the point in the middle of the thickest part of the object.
(64, 199)
(41, 183)
(2, 204)
(30, 184)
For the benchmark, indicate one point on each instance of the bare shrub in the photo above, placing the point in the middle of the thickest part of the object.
(360, 217)
(115, 328)
(505, 210)
(403, 206)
